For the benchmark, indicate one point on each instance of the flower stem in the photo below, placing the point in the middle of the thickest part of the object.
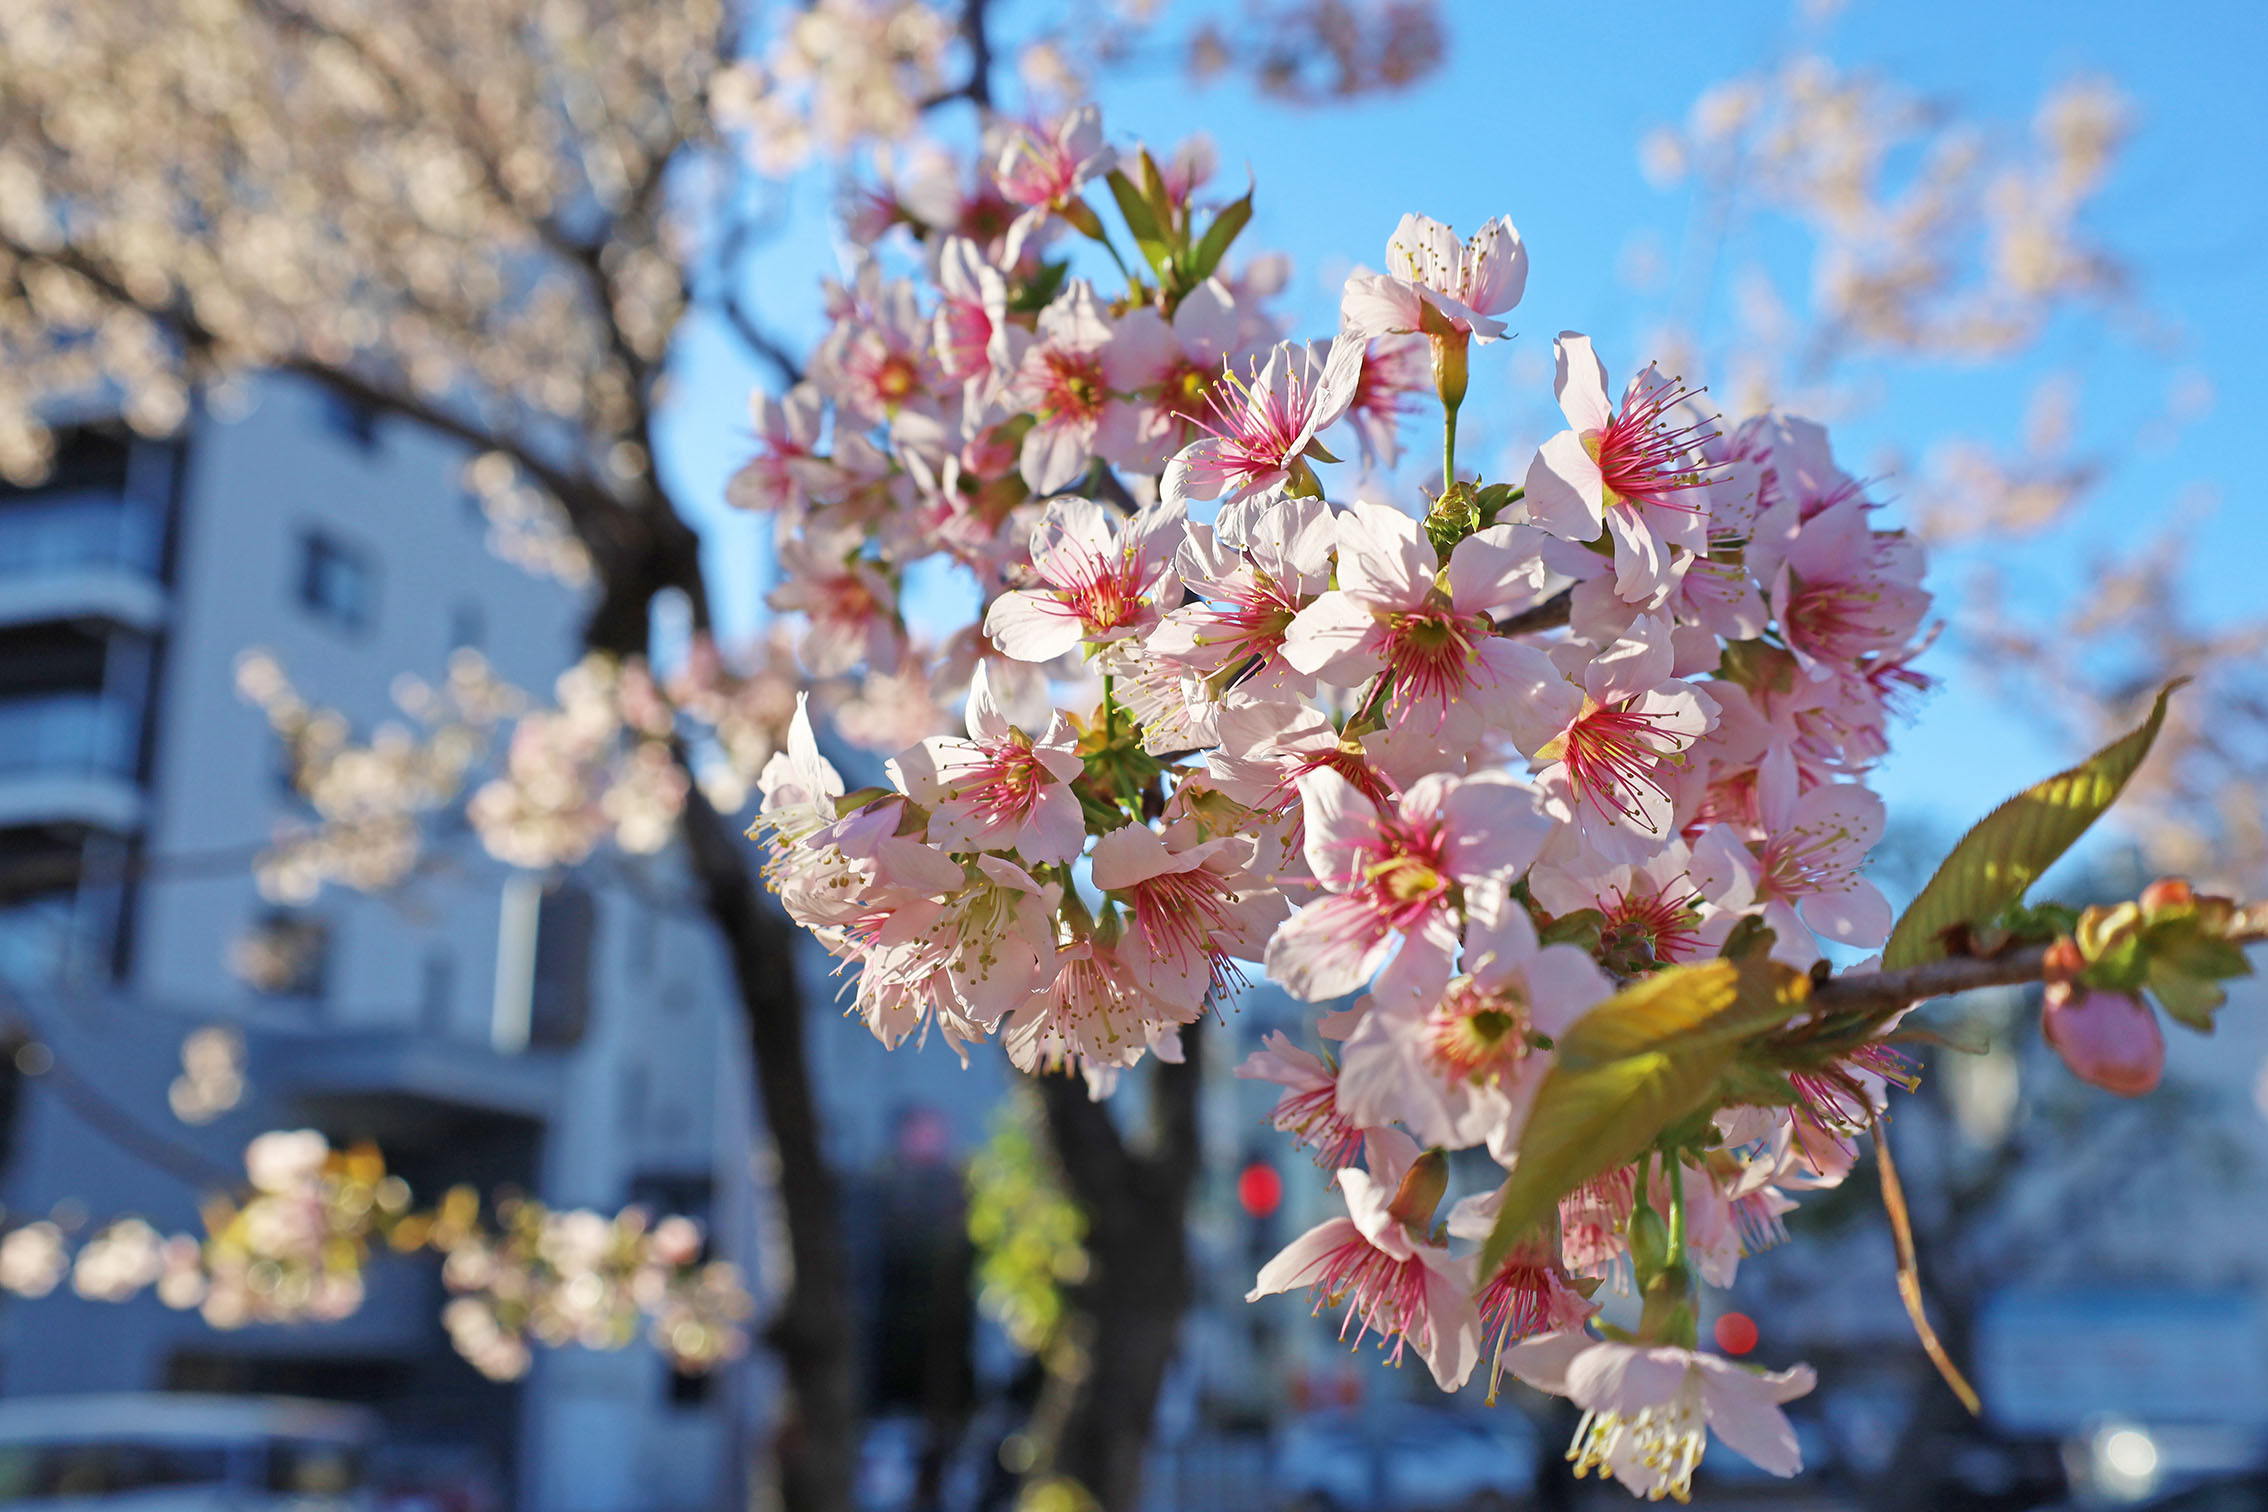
(1448, 447)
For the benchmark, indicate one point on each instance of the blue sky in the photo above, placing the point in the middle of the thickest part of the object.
(1538, 115)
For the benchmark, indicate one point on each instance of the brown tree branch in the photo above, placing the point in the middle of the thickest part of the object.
(1889, 991)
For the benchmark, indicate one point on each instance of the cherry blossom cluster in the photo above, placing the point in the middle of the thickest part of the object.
(1456, 763)
(294, 1247)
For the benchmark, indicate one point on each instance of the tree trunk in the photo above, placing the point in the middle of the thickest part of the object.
(813, 1333)
(1138, 1287)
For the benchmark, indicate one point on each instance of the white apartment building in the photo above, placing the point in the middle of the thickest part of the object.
(595, 1059)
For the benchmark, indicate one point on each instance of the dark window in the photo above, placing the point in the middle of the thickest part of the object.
(437, 996)
(351, 418)
(70, 700)
(285, 955)
(86, 512)
(559, 1005)
(467, 627)
(337, 582)
(690, 1389)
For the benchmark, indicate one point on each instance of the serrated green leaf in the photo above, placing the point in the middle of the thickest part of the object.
(1637, 1063)
(1141, 220)
(1214, 245)
(2192, 1001)
(1995, 862)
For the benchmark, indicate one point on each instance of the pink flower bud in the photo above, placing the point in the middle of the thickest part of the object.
(2108, 1038)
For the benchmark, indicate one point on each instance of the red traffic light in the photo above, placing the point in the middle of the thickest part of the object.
(1259, 1190)
(1736, 1333)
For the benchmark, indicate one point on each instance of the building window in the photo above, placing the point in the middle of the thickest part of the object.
(337, 582)
(284, 955)
(559, 998)
(351, 418)
(467, 627)
(437, 992)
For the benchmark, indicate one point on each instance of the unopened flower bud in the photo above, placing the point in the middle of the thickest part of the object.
(2111, 1039)
(1449, 370)
(1421, 1190)
(2063, 961)
(2165, 893)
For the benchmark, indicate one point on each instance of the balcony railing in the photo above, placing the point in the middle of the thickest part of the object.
(67, 734)
(79, 528)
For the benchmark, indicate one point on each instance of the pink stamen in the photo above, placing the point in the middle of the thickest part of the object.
(1313, 1118)
(1432, 652)
(1182, 914)
(1643, 458)
(1385, 1294)
(1613, 752)
(1664, 925)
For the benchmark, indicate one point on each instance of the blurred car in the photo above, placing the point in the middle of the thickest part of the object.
(175, 1452)
(2237, 1493)
(1404, 1457)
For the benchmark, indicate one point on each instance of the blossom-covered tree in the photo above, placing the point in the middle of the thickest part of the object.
(1562, 781)
(492, 220)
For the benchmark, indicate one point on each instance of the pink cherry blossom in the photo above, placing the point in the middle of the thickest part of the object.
(1805, 867)
(787, 429)
(1102, 579)
(1076, 375)
(963, 959)
(1453, 676)
(1392, 1283)
(1264, 426)
(1648, 1409)
(1530, 1293)
(1634, 470)
(1459, 1067)
(1436, 283)
(1249, 592)
(1309, 1108)
(880, 359)
(1397, 872)
(1591, 1221)
(850, 605)
(2111, 1039)
(970, 327)
(1179, 393)
(1001, 789)
(1397, 372)
(1096, 1014)
(1047, 165)
(1614, 735)
(1841, 591)
(1196, 908)
(1672, 907)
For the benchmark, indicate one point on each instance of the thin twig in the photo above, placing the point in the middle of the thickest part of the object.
(1909, 1274)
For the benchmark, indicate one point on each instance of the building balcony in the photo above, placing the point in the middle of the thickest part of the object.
(82, 554)
(69, 758)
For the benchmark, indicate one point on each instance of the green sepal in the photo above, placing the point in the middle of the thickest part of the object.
(1214, 245)
(1142, 220)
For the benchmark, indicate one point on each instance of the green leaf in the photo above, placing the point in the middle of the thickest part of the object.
(2190, 1000)
(1644, 1059)
(1143, 222)
(1209, 251)
(1706, 1002)
(1585, 1122)
(1995, 862)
